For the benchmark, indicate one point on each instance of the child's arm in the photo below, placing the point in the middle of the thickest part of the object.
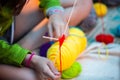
(12, 54)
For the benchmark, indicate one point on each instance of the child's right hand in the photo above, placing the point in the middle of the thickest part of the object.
(45, 68)
(57, 26)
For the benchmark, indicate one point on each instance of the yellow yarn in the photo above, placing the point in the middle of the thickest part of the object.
(107, 52)
(73, 45)
(100, 9)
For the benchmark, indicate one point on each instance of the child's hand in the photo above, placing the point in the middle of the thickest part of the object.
(58, 24)
(45, 68)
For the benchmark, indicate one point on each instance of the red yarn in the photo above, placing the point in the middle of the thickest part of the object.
(61, 40)
(106, 38)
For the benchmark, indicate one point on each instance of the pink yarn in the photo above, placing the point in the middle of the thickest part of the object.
(29, 59)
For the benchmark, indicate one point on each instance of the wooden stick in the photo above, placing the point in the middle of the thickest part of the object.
(46, 37)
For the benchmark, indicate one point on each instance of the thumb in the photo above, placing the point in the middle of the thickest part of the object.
(50, 30)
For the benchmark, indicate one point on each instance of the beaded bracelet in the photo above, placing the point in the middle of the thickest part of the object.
(27, 62)
(54, 10)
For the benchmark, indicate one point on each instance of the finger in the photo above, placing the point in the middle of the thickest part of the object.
(63, 29)
(50, 30)
(57, 30)
(62, 26)
(66, 29)
(53, 69)
(50, 74)
(43, 77)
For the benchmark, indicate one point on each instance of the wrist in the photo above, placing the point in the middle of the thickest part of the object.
(54, 10)
(34, 61)
(28, 60)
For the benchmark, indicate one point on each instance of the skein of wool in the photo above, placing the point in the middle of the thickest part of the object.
(73, 71)
(73, 45)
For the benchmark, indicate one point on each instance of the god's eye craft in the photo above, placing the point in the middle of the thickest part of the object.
(72, 46)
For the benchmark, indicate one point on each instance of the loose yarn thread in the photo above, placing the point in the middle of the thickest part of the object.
(107, 52)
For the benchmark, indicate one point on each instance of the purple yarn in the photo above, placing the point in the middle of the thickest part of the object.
(44, 48)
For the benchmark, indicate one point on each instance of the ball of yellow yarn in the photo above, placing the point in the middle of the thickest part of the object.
(73, 45)
(72, 72)
(100, 9)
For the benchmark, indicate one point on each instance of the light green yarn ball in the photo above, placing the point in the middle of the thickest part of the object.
(73, 71)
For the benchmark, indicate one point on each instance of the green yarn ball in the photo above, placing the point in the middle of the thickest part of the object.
(73, 71)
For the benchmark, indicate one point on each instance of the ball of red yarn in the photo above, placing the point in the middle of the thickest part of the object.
(106, 38)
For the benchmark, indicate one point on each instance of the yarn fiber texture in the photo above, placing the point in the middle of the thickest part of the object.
(73, 71)
(73, 45)
(100, 9)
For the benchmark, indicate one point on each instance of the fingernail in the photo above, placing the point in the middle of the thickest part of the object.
(57, 73)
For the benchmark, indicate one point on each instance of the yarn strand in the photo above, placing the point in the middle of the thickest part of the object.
(61, 40)
(71, 13)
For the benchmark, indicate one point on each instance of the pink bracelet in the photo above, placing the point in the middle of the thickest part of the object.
(27, 62)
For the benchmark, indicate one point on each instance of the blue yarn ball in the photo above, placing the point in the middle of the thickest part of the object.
(115, 31)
